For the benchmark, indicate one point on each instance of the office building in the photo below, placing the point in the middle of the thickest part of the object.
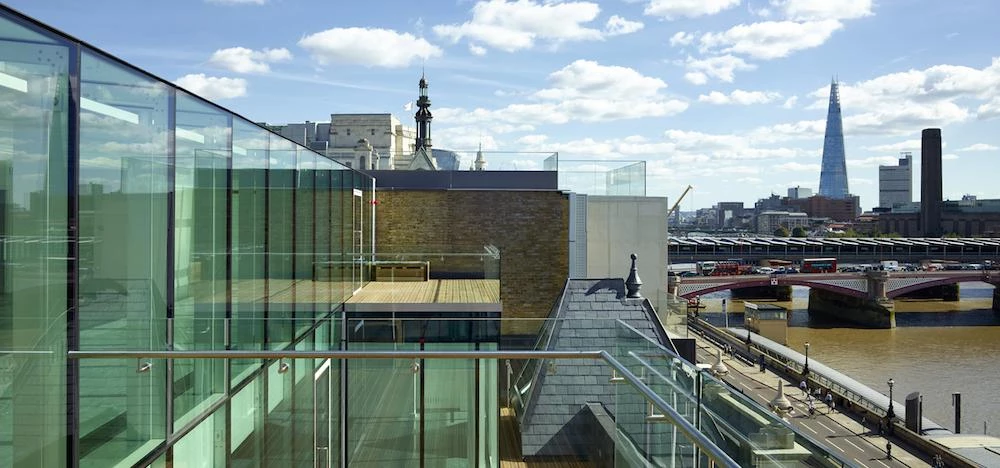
(833, 173)
(895, 183)
(799, 192)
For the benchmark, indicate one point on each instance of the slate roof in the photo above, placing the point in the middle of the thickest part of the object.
(584, 320)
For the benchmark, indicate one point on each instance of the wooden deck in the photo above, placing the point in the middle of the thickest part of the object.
(510, 447)
(429, 292)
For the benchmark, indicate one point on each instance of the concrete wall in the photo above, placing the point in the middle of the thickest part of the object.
(620, 226)
(531, 228)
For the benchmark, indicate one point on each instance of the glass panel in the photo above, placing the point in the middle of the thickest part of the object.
(123, 191)
(280, 242)
(449, 409)
(246, 425)
(304, 232)
(200, 286)
(249, 226)
(383, 409)
(33, 248)
(203, 446)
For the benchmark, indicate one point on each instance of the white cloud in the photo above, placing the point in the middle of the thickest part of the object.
(672, 9)
(368, 46)
(980, 147)
(618, 26)
(793, 166)
(477, 50)
(989, 110)
(722, 68)
(908, 145)
(770, 39)
(513, 26)
(681, 38)
(582, 91)
(790, 102)
(873, 161)
(532, 139)
(818, 10)
(211, 87)
(898, 103)
(697, 78)
(740, 97)
(949, 157)
(243, 60)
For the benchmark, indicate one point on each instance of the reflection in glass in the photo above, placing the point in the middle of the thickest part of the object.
(123, 190)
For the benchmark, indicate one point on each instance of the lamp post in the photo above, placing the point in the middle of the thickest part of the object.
(805, 369)
(890, 414)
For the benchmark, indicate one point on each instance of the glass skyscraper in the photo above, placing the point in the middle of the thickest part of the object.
(833, 174)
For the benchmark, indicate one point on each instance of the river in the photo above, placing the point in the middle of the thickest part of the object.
(937, 348)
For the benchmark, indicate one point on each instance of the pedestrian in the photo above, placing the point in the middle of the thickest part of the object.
(760, 360)
(802, 386)
(829, 401)
(888, 450)
(812, 408)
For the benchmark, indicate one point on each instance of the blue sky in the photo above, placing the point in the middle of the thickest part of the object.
(726, 95)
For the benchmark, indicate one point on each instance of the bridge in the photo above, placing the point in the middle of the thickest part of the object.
(880, 285)
(846, 250)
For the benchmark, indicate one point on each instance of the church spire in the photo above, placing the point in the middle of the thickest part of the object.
(423, 116)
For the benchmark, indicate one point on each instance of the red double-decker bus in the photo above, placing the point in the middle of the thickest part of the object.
(819, 265)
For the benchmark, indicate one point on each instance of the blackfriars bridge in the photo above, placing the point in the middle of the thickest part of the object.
(871, 285)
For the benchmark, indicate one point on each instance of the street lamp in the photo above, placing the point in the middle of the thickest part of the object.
(805, 369)
(890, 414)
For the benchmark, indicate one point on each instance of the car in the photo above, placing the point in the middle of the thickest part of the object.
(687, 274)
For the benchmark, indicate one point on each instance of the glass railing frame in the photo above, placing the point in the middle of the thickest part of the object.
(704, 445)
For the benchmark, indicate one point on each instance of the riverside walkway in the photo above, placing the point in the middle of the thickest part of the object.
(842, 433)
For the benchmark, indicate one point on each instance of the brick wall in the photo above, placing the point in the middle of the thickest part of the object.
(531, 228)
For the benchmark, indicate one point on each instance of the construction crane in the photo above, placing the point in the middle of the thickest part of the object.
(670, 212)
(678, 203)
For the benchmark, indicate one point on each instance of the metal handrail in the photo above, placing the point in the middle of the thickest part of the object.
(712, 451)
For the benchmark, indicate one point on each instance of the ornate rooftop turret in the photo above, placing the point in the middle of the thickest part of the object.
(423, 117)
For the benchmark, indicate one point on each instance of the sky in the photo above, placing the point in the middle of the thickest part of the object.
(729, 96)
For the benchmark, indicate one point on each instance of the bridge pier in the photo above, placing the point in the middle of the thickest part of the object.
(863, 312)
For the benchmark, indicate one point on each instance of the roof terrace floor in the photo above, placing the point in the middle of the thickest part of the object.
(465, 291)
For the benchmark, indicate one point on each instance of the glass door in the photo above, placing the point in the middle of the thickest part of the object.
(322, 417)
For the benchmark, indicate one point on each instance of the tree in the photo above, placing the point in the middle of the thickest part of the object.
(781, 232)
(800, 231)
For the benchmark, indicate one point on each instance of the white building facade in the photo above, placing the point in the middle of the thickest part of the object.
(895, 183)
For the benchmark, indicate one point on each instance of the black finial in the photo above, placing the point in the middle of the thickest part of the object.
(633, 283)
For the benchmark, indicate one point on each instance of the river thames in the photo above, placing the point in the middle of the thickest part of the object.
(937, 348)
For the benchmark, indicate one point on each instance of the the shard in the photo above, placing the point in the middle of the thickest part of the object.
(833, 174)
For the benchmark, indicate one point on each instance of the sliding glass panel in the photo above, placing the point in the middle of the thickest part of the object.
(203, 447)
(123, 191)
(200, 201)
(33, 247)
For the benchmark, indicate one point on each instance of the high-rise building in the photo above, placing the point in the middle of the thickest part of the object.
(799, 192)
(833, 174)
(895, 183)
(930, 182)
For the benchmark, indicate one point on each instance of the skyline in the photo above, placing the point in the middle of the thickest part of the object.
(727, 95)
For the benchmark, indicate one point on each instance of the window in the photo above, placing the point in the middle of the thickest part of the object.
(373, 132)
(348, 132)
